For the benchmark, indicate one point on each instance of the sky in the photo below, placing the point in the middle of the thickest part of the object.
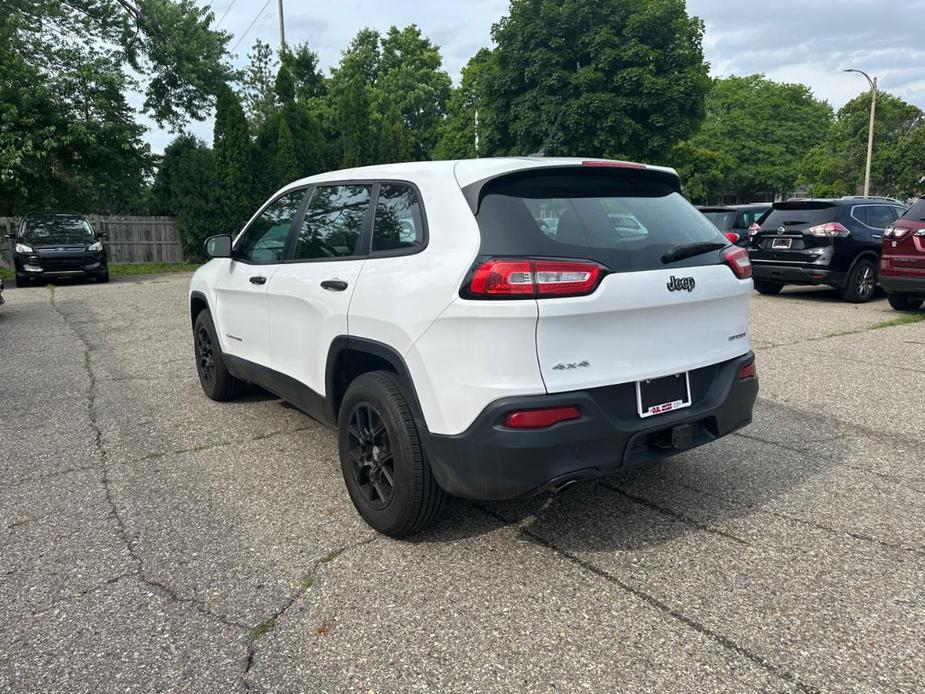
(808, 41)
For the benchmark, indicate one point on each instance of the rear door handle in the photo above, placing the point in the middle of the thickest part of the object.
(334, 285)
(877, 236)
(258, 279)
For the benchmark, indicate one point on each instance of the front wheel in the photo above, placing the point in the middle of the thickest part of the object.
(765, 287)
(214, 377)
(862, 281)
(905, 302)
(23, 281)
(103, 277)
(382, 459)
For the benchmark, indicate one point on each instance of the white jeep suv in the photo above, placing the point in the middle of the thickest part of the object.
(489, 328)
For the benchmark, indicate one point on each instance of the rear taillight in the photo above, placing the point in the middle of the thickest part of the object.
(753, 229)
(748, 371)
(830, 230)
(732, 237)
(520, 278)
(737, 259)
(540, 419)
(895, 232)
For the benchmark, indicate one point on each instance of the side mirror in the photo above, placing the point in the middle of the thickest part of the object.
(10, 236)
(218, 246)
(732, 236)
(102, 234)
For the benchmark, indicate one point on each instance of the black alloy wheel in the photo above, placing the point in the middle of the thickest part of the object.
(205, 355)
(371, 455)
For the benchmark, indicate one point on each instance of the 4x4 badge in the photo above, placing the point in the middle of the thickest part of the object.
(677, 284)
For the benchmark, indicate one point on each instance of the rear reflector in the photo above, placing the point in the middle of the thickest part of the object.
(540, 419)
(748, 371)
(614, 164)
(519, 278)
(737, 260)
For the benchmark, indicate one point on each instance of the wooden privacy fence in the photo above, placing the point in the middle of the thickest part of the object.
(131, 239)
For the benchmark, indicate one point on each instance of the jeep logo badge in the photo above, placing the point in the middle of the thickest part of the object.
(677, 284)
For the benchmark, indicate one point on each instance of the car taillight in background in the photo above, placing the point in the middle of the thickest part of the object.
(895, 232)
(829, 230)
(732, 236)
(521, 278)
(737, 259)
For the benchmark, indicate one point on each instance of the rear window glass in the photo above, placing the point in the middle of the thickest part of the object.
(799, 214)
(55, 228)
(626, 222)
(721, 220)
(917, 211)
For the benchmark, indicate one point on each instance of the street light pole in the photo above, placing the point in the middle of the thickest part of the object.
(282, 27)
(870, 127)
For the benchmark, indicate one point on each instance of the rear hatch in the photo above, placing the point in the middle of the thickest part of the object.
(904, 244)
(643, 317)
(785, 235)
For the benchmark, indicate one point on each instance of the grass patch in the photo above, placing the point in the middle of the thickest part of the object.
(265, 627)
(6, 273)
(904, 319)
(129, 269)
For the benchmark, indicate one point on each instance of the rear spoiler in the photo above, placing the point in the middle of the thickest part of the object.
(473, 191)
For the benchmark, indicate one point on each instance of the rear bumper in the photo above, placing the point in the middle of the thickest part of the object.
(797, 274)
(903, 285)
(490, 461)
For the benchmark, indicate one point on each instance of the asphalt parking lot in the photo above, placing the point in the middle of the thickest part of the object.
(153, 540)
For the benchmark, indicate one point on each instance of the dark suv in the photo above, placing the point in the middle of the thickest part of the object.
(736, 219)
(58, 244)
(822, 241)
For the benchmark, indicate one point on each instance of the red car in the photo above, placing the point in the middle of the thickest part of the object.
(902, 262)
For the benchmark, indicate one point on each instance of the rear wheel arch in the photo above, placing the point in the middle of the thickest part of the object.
(872, 256)
(351, 357)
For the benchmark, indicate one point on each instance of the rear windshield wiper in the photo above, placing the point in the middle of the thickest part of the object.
(689, 250)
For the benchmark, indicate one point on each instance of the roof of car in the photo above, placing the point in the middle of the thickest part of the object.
(466, 171)
(848, 200)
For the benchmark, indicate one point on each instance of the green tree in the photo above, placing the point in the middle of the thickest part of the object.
(285, 165)
(302, 64)
(836, 165)
(284, 85)
(258, 85)
(354, 116)
(393, 141)
(753, 138)
(233, 165)
(410, 77)
(457, 133)
(615, 78)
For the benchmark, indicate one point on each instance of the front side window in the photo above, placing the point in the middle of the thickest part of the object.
(398, 223)
(265, 239)
(333, 222)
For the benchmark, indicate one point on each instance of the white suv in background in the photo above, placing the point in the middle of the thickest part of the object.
(488, 328)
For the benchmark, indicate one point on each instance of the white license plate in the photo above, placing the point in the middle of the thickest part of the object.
(780, 243)
(660, 395)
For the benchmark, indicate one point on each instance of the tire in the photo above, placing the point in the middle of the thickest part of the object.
(378, 440)
(103, 277)
(905, 302)
(765, 287)
(214, 377)
(23, 281)
(861, 283)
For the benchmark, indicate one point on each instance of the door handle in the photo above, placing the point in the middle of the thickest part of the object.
(334, 285)
(258, 279)
(877, 236)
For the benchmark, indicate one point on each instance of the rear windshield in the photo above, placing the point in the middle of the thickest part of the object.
(626, 222)
(55, 228)
(721, 220)
(798, 214)
(917, 211)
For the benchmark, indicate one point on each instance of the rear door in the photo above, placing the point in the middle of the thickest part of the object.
(309, 295)
(241, 285)
(785, 235)
(648, 317)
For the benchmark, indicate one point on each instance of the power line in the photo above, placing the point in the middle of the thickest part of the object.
(225, 13)
(251, 25)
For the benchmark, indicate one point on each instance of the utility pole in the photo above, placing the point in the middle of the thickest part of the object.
(870, 127)
(476, 132)
(282, 27)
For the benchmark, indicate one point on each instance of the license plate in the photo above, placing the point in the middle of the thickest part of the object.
(780, 243)
(660, 395)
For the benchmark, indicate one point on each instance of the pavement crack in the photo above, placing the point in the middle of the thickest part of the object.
(268, 623)
(675, 515)
(81, 593)
(721, 639)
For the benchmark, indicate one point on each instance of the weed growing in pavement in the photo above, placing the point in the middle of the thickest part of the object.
(261, 629)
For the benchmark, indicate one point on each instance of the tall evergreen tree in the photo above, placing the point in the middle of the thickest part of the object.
(232, 148)
(392, 141)
(354, 120)
(285, 165)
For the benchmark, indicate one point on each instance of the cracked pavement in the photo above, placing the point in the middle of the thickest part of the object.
(153, 540)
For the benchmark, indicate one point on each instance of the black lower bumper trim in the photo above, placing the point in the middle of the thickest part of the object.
(903, 285)
(797, 274)
(490, 461)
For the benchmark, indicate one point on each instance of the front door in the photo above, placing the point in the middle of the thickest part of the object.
(309, 295)
(241, 286)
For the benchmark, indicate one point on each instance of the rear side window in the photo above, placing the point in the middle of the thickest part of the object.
(624, 221)
(799, 214)
(333, 222)
(398, 224)
(917, 212)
